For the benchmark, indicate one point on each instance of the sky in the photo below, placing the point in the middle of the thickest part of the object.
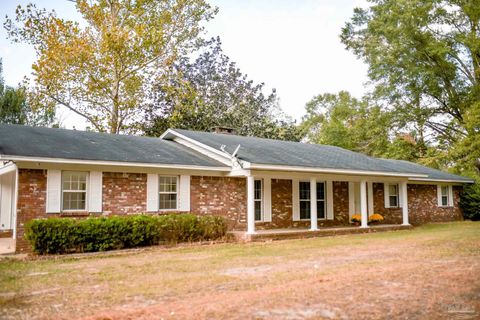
(292, 46)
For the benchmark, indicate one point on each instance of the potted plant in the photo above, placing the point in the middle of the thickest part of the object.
(356, 219)
(375, 218)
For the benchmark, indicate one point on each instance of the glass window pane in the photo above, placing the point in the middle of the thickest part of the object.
(258, 189)
(304, 209)
(168, 184)
(168, 201)
(258, 210)
(444, 200)
(74, 200)
(304, 190)
(444, 191)
(392, 188)
(320, 191)
(321, 209)
(393, 201)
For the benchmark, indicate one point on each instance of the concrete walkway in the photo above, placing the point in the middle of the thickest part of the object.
(7, 246)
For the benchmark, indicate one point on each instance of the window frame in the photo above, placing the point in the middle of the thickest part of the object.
(63, 172)
(324, 200)
(177, 192)
(396, 195)
(258, 200)
(446, 196)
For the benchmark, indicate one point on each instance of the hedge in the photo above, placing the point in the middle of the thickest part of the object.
(67, 235)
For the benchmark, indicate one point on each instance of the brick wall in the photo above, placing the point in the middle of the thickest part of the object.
(422, 205)
(391, 215)
(224, 196)
(32, 190)
(124, 193)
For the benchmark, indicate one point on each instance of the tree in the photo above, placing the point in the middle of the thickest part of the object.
(424, 56)
(360, 125)
(210, 91)
(14, 108)
(104, 70)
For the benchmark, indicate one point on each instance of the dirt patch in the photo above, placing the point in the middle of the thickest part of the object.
(421, 275)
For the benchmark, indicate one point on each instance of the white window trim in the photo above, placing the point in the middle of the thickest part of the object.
(324, 201)
(449, 195)
(163, 192)
(395, 195)
(261, 200)
(87, 187)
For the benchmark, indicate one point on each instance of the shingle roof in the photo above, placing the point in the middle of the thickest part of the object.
(287, 153)
(41, 142)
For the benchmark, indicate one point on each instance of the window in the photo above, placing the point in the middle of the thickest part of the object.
(320, 200)
(74, 191)
(258, 200)
(393, 195)
(168, 192)
(305, 200)
(445, 200)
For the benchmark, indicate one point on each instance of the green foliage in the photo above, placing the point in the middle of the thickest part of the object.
(423, 63)
(64, 235)
(211, 91)
(470, 202)
(103, 68)
(14, 108)
(359, 125)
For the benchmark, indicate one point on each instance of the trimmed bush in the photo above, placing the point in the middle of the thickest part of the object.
(65, 235)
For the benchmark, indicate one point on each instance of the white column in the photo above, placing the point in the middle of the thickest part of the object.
(313, 204)
(370, 197)
(250, 205)
(404, 192)
(363, 203)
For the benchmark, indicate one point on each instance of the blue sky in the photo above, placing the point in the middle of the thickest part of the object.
(292, 46)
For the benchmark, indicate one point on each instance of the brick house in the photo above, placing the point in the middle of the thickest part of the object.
(256, 184)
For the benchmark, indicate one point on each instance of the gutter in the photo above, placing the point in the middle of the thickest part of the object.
(112, 163)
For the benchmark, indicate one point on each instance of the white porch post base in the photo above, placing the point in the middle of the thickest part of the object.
(250, 205)
(363, 203)
(404, 191)
(313, 204)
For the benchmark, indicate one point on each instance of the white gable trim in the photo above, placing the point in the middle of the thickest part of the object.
(203, 150)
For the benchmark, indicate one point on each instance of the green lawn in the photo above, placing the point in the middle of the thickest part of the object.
(429, 272)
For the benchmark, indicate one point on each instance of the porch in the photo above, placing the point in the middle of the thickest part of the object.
(310, 203)
(301, 233)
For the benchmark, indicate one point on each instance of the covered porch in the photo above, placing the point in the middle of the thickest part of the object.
(313, 204)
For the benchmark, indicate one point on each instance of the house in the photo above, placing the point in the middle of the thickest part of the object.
(256, 184)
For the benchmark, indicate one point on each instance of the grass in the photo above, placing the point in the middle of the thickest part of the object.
(428, 272)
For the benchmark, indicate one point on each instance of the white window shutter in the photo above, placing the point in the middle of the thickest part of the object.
(329, 187)
(267, 200)
(95, 183)
(439, 195)
(295, 200)
(54, 191)
(184, 193)
(152, 192)
(450, 196)
(386, 193)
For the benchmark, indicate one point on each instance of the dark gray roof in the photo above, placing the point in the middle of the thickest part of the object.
(288, 153)
(41, 142)
(432, 173)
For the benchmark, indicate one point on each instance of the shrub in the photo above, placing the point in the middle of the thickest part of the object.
(64, 235)
(470, 202)
(356, 218)
(376, 217)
